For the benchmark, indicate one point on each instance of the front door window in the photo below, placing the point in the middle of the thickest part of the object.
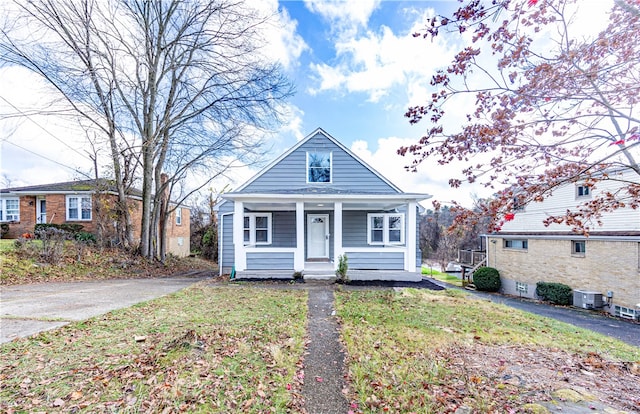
(41, 214)
(318, 236)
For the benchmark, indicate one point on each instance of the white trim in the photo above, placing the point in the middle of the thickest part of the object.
(330, 167)
(40, 215)
(409, 258)
(79, 197)
(298, 258)
(326, 235)
(252, 228)
(385, 229)
(270, 249)
(288, 198)
(240, 257)
(337, 231)
(3, 209)
(392, 249)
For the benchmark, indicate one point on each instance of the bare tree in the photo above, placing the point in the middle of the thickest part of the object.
(177, 83)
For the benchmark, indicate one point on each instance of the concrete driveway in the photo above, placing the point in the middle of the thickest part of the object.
(28, 309)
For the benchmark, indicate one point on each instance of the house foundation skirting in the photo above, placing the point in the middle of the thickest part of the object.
(364, 275)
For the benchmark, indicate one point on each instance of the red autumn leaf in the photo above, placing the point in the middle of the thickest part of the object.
(509, 216)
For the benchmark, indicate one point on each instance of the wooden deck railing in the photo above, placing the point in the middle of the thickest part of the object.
(470, 258)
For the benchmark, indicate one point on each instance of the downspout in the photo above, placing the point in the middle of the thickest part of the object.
(220, 242)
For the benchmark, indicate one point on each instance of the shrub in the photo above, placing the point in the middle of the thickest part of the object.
(487, 279)
(298, 275)
(4, 229)
(68, 227)
(557, 293)
(341, 271)
(52, 243)
(85, 237)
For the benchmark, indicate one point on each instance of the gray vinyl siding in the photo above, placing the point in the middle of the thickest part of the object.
(291, 172)
(269, 261)
(375, 260)
(283, 233)
(225, 237)
(354, 228)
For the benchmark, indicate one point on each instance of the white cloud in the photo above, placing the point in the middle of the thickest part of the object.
(430, 179)
(376, 62)
(283, 44)
(345, 17)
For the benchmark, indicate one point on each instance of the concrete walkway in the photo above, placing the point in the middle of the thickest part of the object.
(28, 309)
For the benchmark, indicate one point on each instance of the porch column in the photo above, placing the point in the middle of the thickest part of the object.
(238, 236)
(410, 255)
(337, 232)
(298, 256)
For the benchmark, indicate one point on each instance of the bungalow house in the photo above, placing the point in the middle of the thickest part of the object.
(21, 208)
(314, 203)
(605, 265)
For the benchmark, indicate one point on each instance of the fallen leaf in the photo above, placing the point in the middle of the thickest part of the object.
(76, 395)
(319, 379)
(59, 402)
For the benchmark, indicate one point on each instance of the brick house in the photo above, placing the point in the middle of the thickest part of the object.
(74, 202)
(606, 263)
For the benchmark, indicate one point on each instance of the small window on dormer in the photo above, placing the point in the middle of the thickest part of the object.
(582, 191)
(318, 167)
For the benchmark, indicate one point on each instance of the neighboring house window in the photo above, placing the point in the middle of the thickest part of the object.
(385, 228)
(518, 244)
(582, 191)
(578, 247)
(318, 167)
(178, 216)
(79, 208)
(10, 209)
(257, 228)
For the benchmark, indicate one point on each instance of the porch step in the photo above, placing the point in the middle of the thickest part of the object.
(319, 276)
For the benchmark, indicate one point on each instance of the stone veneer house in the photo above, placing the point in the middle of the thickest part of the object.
(74, 202)
(314, 203)
(607, 262)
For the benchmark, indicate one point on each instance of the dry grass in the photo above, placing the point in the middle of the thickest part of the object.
(421, 351)
(206, 349)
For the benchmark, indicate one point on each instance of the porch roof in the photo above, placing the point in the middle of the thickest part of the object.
(322, 200)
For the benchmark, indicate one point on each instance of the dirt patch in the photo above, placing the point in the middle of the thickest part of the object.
(509, 377)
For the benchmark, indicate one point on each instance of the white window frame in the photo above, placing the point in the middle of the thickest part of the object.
(178, 216)
(385, 229)
(523, 244)
(252, 229)
(79, 199)
(582, 243)
(4, 217)
(330, 167)
(586, 191)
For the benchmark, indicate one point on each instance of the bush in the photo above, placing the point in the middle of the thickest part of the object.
(85, 237)
(70, 228)
(4, 229)
(557, 293)
(487, 279)
(341, 272)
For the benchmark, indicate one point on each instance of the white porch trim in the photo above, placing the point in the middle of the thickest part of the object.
(410, 240)
(238, 236)
(298, 258)
(337, 232)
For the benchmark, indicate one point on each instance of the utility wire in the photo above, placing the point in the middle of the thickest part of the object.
(49, 159)
(43, 128)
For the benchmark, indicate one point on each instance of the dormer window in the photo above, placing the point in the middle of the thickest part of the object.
(319, 167)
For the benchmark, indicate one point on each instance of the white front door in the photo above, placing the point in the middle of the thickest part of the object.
(317, 236)
(41, 210)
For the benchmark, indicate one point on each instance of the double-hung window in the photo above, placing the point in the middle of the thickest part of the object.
(583, 191)
(257, 228)
(178, 216)
(10, 209)
(79, 208)
(319, 167)
(385, 228)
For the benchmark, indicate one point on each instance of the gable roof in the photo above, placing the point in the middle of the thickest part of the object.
(70, 187)
(302, 142)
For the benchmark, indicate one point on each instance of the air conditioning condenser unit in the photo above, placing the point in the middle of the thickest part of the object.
(587, 300)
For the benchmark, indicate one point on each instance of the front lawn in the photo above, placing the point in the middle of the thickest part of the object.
(433, 352)
(206, 349)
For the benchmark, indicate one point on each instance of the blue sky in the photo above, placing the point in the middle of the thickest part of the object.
(356, 69)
